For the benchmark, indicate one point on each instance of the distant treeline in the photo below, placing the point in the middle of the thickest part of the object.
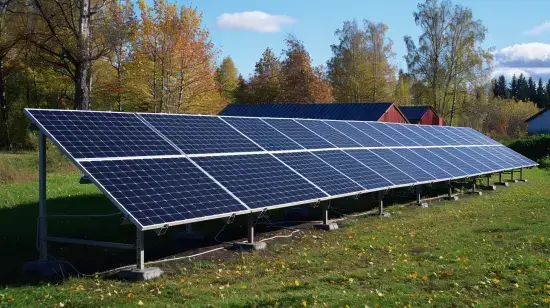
(523, 89)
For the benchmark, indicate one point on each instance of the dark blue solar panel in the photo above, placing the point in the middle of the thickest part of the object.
(510, 160)
(470, 160)
(299, 134)
(260, 180)
(102, 134)
(381, 166)
(480, 136)
(451, 133)
(468, 137)
(330, 134)
(442, 162)
(481, 158)
(503, 164)
(417, 134)
(392, 133)
(404, 165)
(349, 166)
(438, 135)
(424, 164)
(263, 134)
(526, 161)
(353, 133)
(159, 191)
(463, 165)
(200, 134)
(320, 173)
(377, 135)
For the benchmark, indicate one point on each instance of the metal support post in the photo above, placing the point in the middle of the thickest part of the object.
(251, 221)
(418, 190)
(474, 186)
(450, 187)
(512, 179)
(489, 180)
(521, 175)
(324, 212)
(381, 203)
(140, 250)
(42, 212)
(500, 177)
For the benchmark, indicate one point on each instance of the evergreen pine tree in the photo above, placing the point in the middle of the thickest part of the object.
(514, 88)
(532, 92)
(541, 94)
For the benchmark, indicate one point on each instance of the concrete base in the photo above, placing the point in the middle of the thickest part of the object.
(423, 204)
(523, 180)
(189, 236)
(135, 274)
(47, 269)
(327, 227)
(249, 246)
(477, 193)
(451, 198)
(491, 187)
(385, 214)
(513, 181)
(505, 184)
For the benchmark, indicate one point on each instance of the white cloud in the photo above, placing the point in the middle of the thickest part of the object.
(530, 59)
(545, 26)
(252, 21)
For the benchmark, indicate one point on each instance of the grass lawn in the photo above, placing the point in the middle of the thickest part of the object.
(488, 251)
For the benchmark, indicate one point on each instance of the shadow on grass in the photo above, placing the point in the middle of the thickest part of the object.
(18, 228)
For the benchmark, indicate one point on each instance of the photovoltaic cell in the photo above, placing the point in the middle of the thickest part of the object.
(480, 158)
(162, 190)
(394, 134)
(412, 132)
(353, 133)
(520, 158)
(200, 134)
(299, 134)
(259, 180)
(463, 165)
(480, 136)
(263, 134)
(438, 136)
(404, 165)
(503, 164)
(381, 166)
(470, 160)
(424, 164)
(377, 135)
(330, 134)
(356, 171)
(320, 173)
(440, 161)
(468, 137)
(451, 133)
(86, 134)
(510, 160)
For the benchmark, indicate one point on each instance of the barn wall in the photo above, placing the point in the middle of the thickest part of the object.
(392, 115)
(430, 118)
(540, 124)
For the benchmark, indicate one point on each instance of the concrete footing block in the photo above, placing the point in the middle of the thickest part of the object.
(490, 187)
(327, 227)
(505, 184)
(385, 214)
(189, 236)
(476, 193)
(249, 246)
(135, 274)
(451, 198)
(513, 181)
(423, 204)
(47, 269)
(523, 180)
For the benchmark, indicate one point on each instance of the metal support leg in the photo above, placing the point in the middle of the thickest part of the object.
(42, 212)
(512, 176)
(450, 192)
(326, 225)
(500, 182)
(489, 180)
(140, 250)
(324, 212)
(474, 182)
(381, 203)
(521, 179)
(418, 192)
(251, 221)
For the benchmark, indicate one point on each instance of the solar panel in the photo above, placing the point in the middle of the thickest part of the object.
(354, 133)
(417, 134)
(353, 169)
(404, 165)
(468, 137)
(525, 161)
(463, 165)
(503, 164)
(443, 162)
(451, 133)
(200, 134)
(479, 135)
(479, 166)
(320, 173)
(480, 158)
(299, 134)
(260, 180)
(377, 135)
(381, 166)
(510, 160)
(438, 136)
(424, 164)
(397, 136)
(328, 133)
(101, 134)
(162, 190)
(263, 134)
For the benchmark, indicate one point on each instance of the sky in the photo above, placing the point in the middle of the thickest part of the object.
(519, 31)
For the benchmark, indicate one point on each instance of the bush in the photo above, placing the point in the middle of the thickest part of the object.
(535, 147)
(544, 162)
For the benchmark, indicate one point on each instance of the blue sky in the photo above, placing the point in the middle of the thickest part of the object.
(514, 27)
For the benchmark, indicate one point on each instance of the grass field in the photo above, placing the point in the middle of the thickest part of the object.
(488, 251)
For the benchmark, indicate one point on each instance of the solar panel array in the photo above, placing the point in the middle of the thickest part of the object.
(163, 169)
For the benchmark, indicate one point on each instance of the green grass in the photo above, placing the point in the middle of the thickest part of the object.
(488, 251)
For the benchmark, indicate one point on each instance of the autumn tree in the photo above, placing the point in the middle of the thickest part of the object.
(266, 82)
(227, 77)
(403, 89)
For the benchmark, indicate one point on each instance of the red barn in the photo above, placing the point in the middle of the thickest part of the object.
(424, 115)
(382, 112)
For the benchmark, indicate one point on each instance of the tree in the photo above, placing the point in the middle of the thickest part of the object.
(63, 34)
(379, 51)
(300, 82)
(403, 89)
(227, 77)
(266, 83)
(540, 94)
(500, 89)
(448, 57)
(514, 88)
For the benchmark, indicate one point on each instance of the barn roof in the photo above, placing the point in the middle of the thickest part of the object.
(414, 113)
(543, 110)
(331, 111)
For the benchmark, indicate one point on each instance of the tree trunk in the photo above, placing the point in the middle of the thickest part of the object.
(4, 142)
(82, 87)
(83, 68)
(119, 88)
